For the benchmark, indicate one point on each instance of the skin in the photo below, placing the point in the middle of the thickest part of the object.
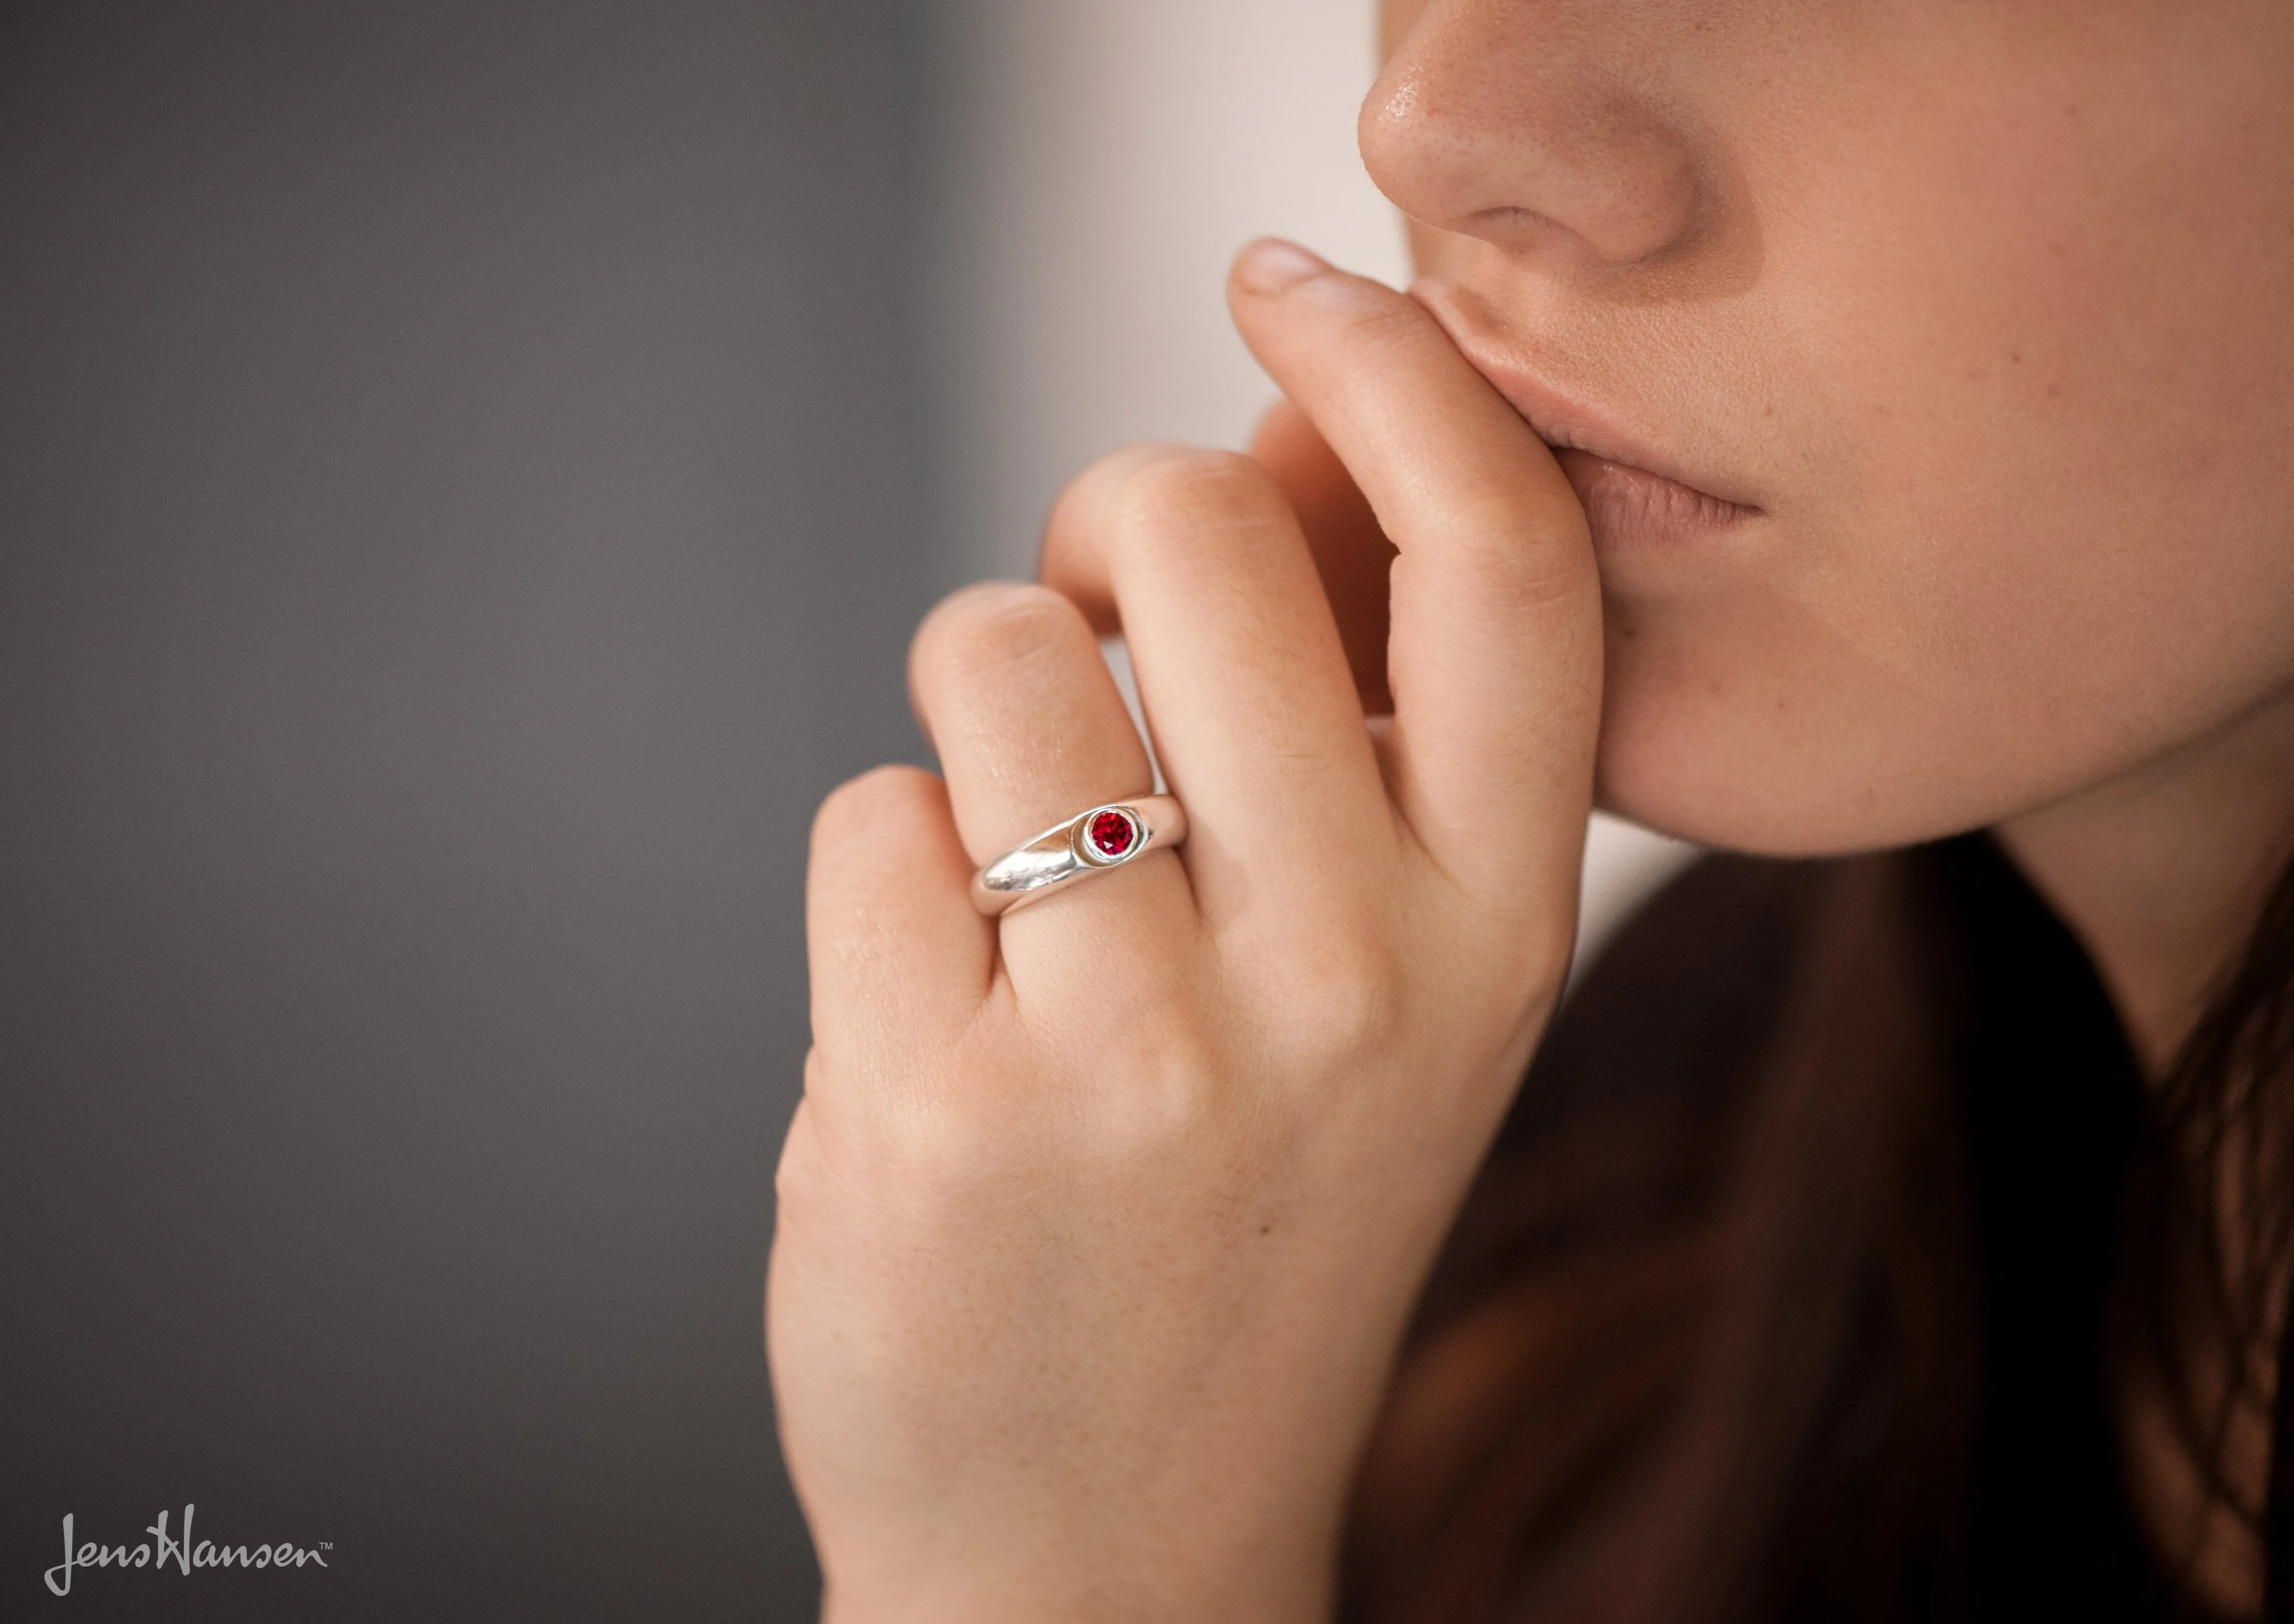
(1098, 1227)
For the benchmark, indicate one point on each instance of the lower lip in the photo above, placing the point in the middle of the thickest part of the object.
(1632, 508)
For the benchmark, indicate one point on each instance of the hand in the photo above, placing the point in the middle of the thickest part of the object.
(1098, 1228)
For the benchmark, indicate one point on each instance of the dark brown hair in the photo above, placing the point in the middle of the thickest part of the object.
(1727, 1330)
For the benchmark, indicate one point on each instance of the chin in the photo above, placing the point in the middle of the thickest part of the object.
(1743, 757)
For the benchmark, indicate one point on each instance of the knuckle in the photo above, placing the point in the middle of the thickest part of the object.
(1079, 520)
(1545, 954)
(1173, 1104)
(1108, 475)
(861, 807)
(804, 1183)
(987, 628)
(1509, 977)
(1162, 503)
(1083, 1108)
(1187, 494)
(1379, 317)
(1512, 961)
(945, 1145)
(1347, 1004)
(1504, 539)
(1361, 314)
(799, 1184)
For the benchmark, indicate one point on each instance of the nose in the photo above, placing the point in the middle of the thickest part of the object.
(1531, 124)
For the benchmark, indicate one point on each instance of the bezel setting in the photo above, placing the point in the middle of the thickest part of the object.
(1087, 847)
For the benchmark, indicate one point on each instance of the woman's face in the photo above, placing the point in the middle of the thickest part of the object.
(1979, 316)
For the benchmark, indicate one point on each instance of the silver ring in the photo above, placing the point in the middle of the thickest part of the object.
(1091, 843)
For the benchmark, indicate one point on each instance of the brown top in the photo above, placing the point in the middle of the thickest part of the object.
(1806, 1218)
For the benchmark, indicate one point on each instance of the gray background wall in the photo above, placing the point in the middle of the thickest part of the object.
(457, 516)
(467, 475)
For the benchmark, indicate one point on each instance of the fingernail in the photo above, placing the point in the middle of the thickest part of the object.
(1271, 266)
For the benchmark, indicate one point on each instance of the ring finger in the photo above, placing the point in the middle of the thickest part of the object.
(1030, 730)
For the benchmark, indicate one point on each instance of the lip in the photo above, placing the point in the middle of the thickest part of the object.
(1632, 493)
(1627, 506)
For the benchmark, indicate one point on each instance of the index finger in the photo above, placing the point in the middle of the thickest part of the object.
(1352, 555)
(1494, 656)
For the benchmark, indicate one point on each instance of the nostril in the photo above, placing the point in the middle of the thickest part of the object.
(1624, 207)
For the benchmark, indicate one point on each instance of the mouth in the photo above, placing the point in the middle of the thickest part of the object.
(1634, 495)
(1629, 505)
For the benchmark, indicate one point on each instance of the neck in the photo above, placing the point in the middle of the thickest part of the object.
(2161, 871)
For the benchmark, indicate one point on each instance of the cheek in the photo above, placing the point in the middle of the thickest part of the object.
(2032, 523)
(1938, 679)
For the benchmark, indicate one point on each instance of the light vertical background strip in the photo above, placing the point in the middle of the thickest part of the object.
(1097, 164)
(1103, 161)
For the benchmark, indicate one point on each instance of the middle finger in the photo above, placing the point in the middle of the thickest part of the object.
(1241, 673)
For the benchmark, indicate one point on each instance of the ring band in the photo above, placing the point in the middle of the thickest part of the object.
(1106, 837)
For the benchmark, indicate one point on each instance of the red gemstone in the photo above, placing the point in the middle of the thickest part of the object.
(1111, 834)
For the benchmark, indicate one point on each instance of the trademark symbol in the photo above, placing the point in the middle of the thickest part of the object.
(326, 1545)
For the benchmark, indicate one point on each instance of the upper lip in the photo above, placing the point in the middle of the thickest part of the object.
(1562, 420)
